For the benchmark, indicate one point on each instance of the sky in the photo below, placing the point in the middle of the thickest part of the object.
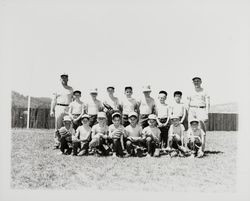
(160, 43)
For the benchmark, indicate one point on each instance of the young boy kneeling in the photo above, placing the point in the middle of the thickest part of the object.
(66, 133)
(116, 133)
(176, 136)
(82, 137)
(133, 136)
(195, 137)
(151, 134)
(99, 135)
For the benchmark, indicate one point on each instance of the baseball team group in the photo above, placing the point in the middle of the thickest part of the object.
(124, 127)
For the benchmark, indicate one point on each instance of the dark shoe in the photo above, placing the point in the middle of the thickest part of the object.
(68, 152)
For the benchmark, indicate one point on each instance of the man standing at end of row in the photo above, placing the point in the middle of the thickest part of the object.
(199, 105)
(60, 105)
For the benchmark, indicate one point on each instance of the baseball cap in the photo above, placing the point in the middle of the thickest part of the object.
(64, 75)
(101, 115)
(194, 120)
(66, 118)
(146, 88)
(77, 91)
(132, 114)
(116, 114)
(93, 91)
(152, 116)
(128, 87)
(85, 116)
(110, 87)
(196, 78)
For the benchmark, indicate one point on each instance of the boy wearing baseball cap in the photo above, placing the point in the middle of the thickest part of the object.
(128, 104)
(111, 104)
(176, 136)
(162, 111)
(133, 133)
(116, 133)
(178, 109)
(195, 138)
(93, 106)
(82, 137)
(152, 136)
(66, 133)
(99, 135)
(146, 106)
(76, 109)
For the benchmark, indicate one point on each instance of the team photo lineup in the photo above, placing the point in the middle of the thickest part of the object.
(128, 127)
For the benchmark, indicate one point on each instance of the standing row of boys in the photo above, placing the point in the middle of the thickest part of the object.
(129, 127)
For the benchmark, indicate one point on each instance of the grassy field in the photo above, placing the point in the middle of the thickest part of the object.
(34, 165)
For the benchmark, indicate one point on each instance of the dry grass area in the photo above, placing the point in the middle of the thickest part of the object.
(34, 165)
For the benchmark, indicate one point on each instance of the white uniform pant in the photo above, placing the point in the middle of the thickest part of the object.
(198, 113)
(60, 112)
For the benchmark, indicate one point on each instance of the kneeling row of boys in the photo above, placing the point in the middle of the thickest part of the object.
(104, 140)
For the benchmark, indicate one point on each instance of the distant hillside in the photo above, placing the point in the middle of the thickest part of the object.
(19, 100)
(225, 108)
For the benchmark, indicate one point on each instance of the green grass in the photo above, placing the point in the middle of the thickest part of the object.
(35, 165)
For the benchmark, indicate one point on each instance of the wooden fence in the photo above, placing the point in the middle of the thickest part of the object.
(40, 118)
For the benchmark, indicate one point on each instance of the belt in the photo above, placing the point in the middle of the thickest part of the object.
(144, 114)
(198, 106)
(62, 104)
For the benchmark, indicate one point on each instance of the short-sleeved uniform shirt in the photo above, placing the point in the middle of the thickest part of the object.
(179, 129)
(112, 128)
(177, 109)
(152, 132)
(76, 107)
(100, 129)
(94, 106)
(83, 132)
(191, 133)
(162, 111)
(63, 95)
(197, 100)
(146, 105)
(133, 131)
(128, 105)
(113, 103)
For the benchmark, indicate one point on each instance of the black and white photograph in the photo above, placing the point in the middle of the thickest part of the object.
(118, 100)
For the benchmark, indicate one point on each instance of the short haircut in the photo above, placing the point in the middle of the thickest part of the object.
(177, 93)
(128, 87)
(163, 92)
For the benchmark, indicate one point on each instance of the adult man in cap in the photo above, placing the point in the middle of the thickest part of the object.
(111, 104)
(59, 105)
(146, 106)
(199, 105)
